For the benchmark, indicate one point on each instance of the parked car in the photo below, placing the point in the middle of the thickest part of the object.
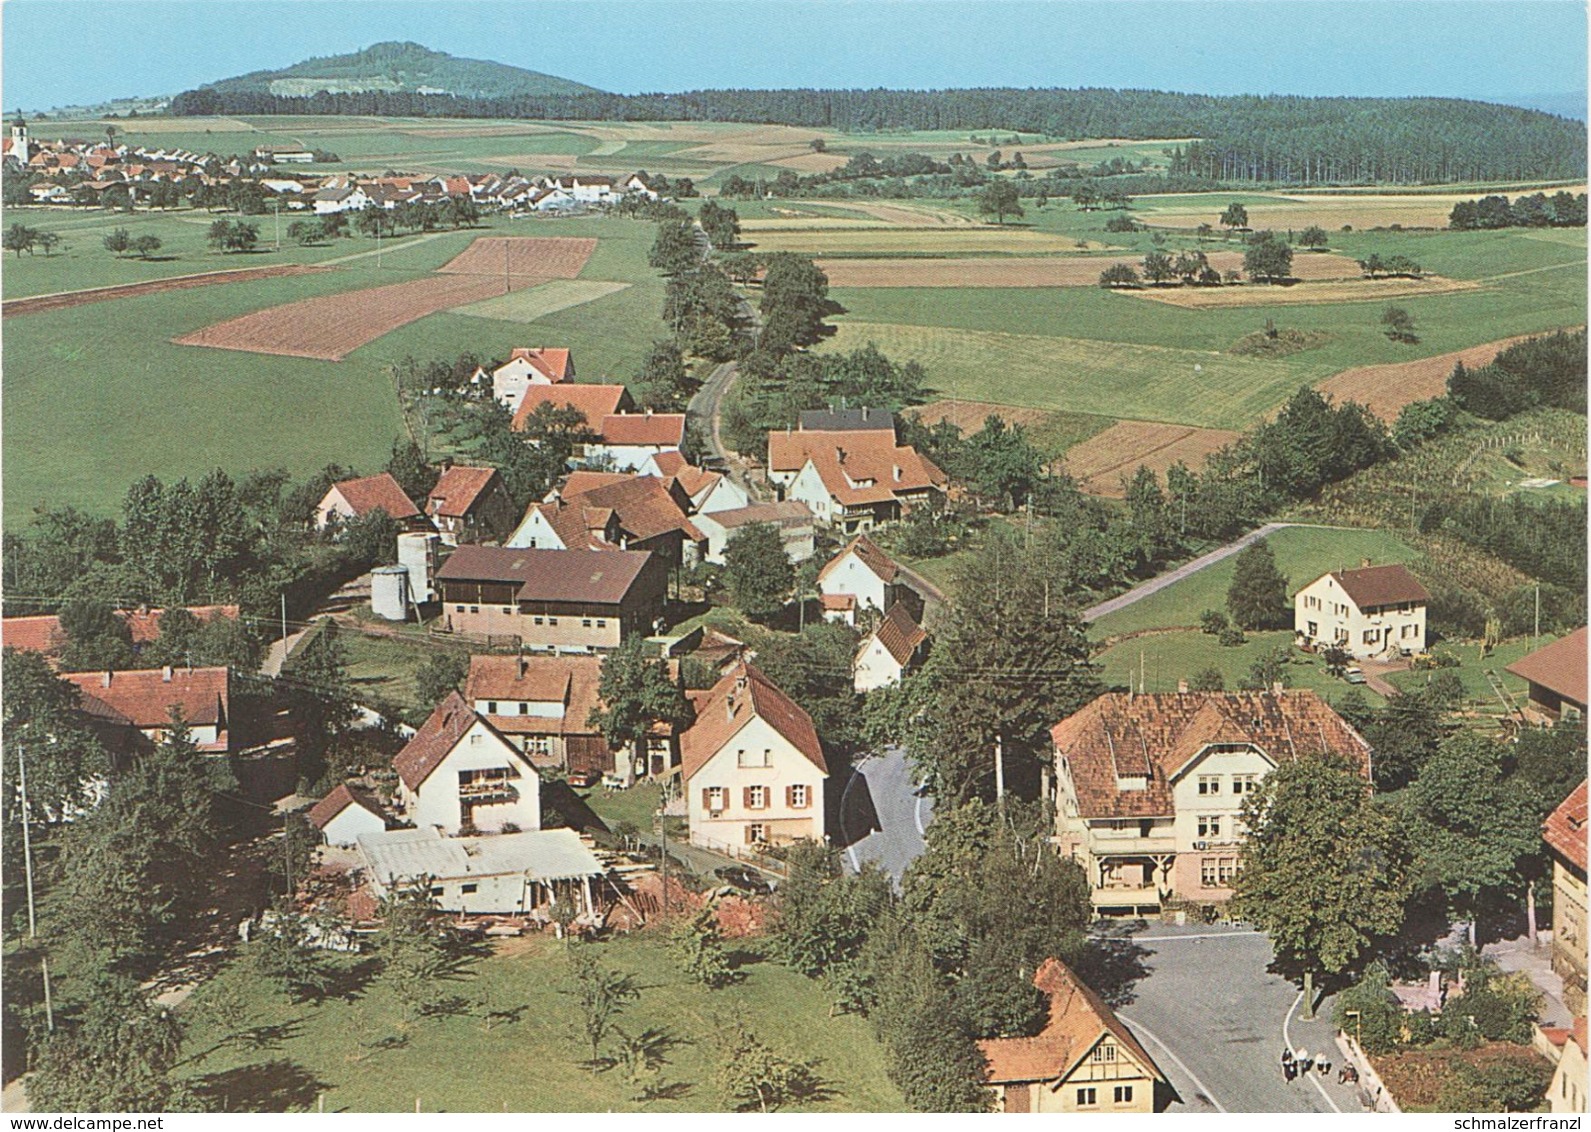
(745, 879)
(614, 782)
(1353, 675)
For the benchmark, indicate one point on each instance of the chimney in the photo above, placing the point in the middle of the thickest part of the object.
(1182, 687)
(864, 412)
(729, 706)
(524, 666)
(108, 675)
(165, 674)
(897, 473)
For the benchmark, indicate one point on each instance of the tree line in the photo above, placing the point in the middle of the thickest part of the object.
(1561, 210)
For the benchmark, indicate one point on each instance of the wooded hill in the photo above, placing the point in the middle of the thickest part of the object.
(1282, 138)
(400, 68)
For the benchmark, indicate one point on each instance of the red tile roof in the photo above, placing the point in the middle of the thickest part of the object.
(1559, 667)
(459, 490)
(323, 811)
(601, 577)
(1381, 585)
(380, 491)
(145, 697)
(643, 505)
(899, 634)
(1121, 735)
(549, 361)
(595, 402)
(1078, 1020)
(745, 693)
(786, 513)
(42, 633)
(578, 483)
(872, 556)
(145, 623)
(855, 467)
(570, 680)
(838, 603)
(1564, 830)
(644, 428)
(579, 528)
(422, 754)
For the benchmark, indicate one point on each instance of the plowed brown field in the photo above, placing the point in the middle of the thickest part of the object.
(1047, 271)
(1387, 388)
(1102, 462)
(331, 327)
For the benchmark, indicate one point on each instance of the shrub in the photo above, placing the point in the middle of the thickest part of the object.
(1369, 1011)
(1207, 679)
(1231, 637)
(1212, 621)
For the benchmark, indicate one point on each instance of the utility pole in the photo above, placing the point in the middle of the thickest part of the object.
(662, 842)
(278, 205)
(284, 625)
(999, 770)
(27, 865)
(1535, 637)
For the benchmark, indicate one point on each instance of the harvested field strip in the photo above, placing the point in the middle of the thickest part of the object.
(882, 238)
(1101, 462)
(36, 304)
(1116, 380)
(1050, 430)
(1325, 291)
(1056, 271)
(333, 326)
(536, 302)
(546, 257)
(1387, 388)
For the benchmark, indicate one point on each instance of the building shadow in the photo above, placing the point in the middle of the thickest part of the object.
(1112, 962)
(266, 1086)
(857, 816)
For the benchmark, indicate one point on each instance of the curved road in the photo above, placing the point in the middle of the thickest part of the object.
(1171, 577)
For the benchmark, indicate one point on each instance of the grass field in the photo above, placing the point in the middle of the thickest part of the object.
(354, 1055)
(96, 418)
(1302, 555)
(1163, 659)
(540, 301)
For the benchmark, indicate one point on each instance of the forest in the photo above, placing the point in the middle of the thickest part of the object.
(1247, 138)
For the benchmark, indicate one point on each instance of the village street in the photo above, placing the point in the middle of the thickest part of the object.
(882, 814)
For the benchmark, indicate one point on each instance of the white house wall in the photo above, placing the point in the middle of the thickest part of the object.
(347, 827)
(438, 803)
(786, 767)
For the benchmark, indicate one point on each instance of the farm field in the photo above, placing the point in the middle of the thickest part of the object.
(354, 1052)
(1051, 432)
(883, 238)
(1339, 290)
(1302, 555)
(204, 409)
(541, 300)
(1052, 271)
(1103, 462)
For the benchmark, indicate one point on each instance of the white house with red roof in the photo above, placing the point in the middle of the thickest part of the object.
(862, 577)
(352, 499)
(136, 705)
(347, 814)
(527, 366)
(753, 767)
(895, 647)
(1371, 611)
(460, 774)
(1565, 834)
(626, 441)
(708, 491)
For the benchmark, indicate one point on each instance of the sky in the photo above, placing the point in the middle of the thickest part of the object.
(64, 52)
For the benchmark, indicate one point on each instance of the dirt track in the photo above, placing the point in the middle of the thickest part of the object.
(38, 304)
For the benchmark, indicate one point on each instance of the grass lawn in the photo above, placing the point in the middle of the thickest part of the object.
(1169, 657)
(384, 667)
(355, 1055)
(1302, 554)
(1472, 668)
(637, 805)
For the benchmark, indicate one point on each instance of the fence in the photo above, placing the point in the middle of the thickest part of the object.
(1372, 1090)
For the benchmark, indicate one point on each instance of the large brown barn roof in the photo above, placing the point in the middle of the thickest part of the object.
(1559, 667)
(601, 577)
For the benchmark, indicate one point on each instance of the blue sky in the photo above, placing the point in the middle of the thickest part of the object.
(58, 52)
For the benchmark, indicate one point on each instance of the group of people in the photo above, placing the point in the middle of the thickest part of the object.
(1296, 1064)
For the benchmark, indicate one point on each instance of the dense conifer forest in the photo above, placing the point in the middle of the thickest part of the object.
(1276, 139)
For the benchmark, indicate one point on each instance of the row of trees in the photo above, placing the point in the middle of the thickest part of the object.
(1274, 138)
(20, 238)
(1562, 210)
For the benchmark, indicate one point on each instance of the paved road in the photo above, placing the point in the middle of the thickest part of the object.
(882, 816)
(1170, 577)
(1215, 1020)
(704, 407)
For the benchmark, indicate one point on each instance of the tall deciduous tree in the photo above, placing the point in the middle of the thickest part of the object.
(1235, 216)
(116, 1054)
(757, 572)
(1000, 200)
(1323, 869)
(600, 995)
(635, 694)
(1267, 258)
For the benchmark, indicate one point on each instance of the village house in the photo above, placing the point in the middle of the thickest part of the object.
(530, 874)
(793, 520)
(1085, 1059)
(1149, 787)
(1565, 834)
(637, 183)
(596, 510)
(588, 188)
(1566, 1092)
(753, 767)
(1556, 674)
(42, 633)
(340, 197)
(544, 704)
(346, 814)
(553, 600)
(853, 480)
(707, 491)
(469, 505)
(352, 499)
(593, 402)
(460, 774)
(895, 647)
(132, 708)
(1374, 611)
(284, 156)
(527, 366)
(862, 577)
(625, 441)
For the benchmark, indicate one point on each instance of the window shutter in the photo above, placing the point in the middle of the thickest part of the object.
(750, 836)
(707, 798)
(745, 797)
(789, 797)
